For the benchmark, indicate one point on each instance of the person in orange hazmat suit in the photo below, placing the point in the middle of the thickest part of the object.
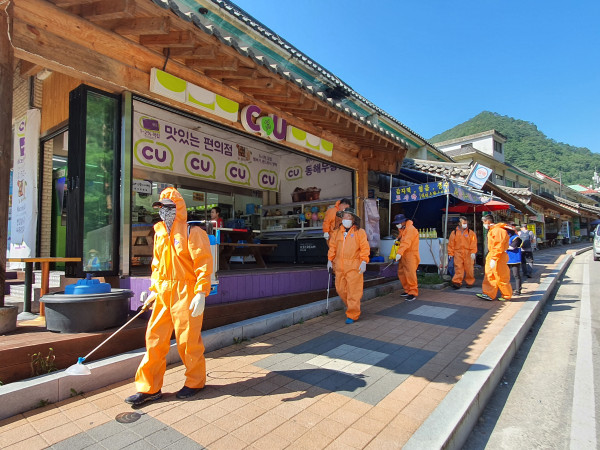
(497, 273)
(406, 251)
(349, 250)
(332, 220)
(462, 246)
(180, 281)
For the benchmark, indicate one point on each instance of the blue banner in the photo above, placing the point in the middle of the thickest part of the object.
(418, 192)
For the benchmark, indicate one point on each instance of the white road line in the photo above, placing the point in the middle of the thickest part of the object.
(583, 416)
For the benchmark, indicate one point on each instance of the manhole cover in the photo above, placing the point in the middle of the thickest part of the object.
(127, 417)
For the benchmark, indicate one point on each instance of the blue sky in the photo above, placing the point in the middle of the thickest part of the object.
(433, 64)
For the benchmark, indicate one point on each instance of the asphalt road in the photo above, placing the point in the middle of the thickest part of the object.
(550, 395)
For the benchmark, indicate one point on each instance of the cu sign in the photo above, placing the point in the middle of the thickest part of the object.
(293, 173)
(237, 173)
(153, 154)
(271, 126)
(267, 179)
(200, 165)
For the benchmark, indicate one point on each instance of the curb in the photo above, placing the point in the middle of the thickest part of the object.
(450, 424)
(22, 396)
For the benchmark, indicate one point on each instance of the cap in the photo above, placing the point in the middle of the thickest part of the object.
(92, 251)
(164, 202)
(400, 218)
(351, 211)
(486, 217)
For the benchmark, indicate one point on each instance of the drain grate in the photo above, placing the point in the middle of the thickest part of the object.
(127, 417)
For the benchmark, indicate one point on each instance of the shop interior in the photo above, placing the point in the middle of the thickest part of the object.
(264, 228)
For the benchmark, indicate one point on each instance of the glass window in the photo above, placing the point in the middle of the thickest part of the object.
(98, 227)
(93, 181)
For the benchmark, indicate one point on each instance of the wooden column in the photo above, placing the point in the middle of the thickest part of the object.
(362, 188)
(6, 107)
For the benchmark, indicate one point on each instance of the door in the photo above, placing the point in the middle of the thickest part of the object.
(93, 182)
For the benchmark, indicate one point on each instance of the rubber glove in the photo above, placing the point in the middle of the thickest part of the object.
(329, 265)
(473, 256)
(197, 305)
(147, 301)
(492, 263)
(511, 248)
(326, 235)
(398, 256)
(363, 267)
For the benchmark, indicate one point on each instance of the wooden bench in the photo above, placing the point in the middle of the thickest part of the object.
(229, 249)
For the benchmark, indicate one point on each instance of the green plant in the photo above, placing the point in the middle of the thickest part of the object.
(41, 364)
(239, 340)
(74, 393)
(43, 403)
(429, 278)
(301, 321)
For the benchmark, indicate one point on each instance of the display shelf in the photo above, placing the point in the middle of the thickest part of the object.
(267, 221)
(296, 204)
(287, 216)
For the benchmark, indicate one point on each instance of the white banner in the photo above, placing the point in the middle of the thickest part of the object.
(307, 179)
(165, 146)
(24, 212)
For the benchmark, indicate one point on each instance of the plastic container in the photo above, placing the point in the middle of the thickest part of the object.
(86, 306)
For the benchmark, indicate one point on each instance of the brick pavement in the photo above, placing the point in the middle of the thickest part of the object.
(317, 384)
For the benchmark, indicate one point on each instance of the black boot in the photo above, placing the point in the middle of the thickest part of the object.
(140, 398)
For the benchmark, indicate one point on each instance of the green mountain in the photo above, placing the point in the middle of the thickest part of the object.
(530, 149)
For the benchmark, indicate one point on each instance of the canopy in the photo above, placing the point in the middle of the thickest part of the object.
(595, 222)
(492, 205)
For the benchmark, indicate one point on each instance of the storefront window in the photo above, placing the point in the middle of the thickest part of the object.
(99, 180)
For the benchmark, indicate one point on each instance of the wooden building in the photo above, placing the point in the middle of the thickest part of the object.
(123, 84)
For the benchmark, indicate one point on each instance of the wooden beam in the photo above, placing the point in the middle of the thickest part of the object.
(239, 73)
(108, 9)
(66, 3)
(29, 69)
(6, 107)
(197, 52)
(51, 51)
(136, 26)
(222, 63)
(173, 39)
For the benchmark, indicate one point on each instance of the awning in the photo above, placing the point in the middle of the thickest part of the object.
(492, 205)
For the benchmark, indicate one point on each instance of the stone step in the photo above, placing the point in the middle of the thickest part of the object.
(18, 292)
(10, 300)
(9, 283)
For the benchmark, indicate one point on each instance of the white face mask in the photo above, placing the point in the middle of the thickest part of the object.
(486, 226)
(347, 223)
(464, 225)
(400, 226)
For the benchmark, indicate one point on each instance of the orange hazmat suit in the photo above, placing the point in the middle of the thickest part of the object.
(407, 246)
(181, 268)
(499, 276)
(331, 222)
(346, 252)
(461, 245)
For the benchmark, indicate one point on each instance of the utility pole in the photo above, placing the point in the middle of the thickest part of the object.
(6, 106)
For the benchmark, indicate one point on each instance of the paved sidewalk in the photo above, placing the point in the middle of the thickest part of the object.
(317, 384)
